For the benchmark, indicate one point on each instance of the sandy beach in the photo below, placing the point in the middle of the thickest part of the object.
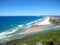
(35, 29)
(38, 26)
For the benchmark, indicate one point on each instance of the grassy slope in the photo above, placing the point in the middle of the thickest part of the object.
(44, 38)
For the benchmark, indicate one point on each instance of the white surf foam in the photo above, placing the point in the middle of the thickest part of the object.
(33, 22)
(44, 22)
(20, 26)
(10, 31)
(4, 37)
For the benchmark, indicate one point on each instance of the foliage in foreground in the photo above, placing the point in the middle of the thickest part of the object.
(53, 37)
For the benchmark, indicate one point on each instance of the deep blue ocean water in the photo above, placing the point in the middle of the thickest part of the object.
(11, 27)
(7, 22)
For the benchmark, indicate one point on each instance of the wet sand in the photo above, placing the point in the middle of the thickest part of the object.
(36, 28)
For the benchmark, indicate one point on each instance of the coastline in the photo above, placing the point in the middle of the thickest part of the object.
(13, 42)
(38, 26)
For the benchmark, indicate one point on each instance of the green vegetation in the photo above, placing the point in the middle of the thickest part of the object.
(51, 38)
(55, 21)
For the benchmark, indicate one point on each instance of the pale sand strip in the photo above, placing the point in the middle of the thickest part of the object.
(35, 29)
(44, 22)
(39, 26)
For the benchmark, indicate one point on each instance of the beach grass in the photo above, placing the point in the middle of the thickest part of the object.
(47, 38)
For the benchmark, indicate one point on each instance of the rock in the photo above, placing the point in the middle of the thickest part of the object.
(39, 43)
(24, 44)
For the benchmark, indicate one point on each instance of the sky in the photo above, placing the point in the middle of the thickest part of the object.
(29, 7)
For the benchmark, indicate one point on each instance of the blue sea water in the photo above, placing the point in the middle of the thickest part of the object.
(7, 22)
(11, 27)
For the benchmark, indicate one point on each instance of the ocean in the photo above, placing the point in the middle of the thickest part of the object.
(7, 22)
(12, 26)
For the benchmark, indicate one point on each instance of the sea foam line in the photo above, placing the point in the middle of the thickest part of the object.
(33, 22)
(5, 33)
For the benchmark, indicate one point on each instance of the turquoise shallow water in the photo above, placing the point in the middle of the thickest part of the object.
(19, 36)
(16, 25)
(7, 22)
(10, 26)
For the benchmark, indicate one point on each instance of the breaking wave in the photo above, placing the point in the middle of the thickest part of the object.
(19, 29)
(9, 32)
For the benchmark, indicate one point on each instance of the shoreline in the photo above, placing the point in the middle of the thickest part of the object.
(38, 26)
(13, 42)
(35, 30)
(26, 37)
